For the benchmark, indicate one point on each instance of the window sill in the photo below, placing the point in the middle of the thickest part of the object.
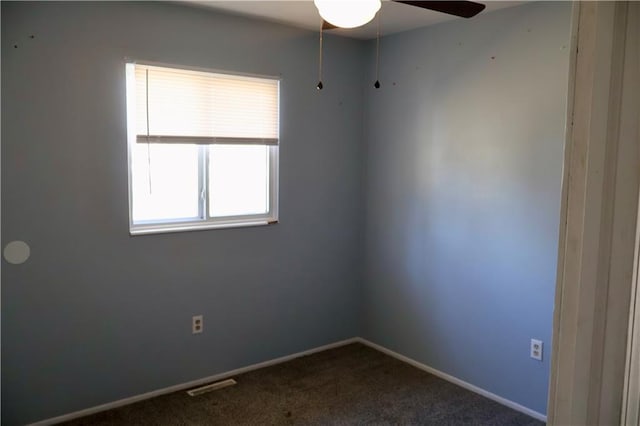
(135, 230)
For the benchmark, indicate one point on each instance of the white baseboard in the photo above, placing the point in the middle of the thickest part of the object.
(455, 380)
(225, 375)
(187, 385)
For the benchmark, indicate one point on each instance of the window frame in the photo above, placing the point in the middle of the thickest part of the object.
(204, 221)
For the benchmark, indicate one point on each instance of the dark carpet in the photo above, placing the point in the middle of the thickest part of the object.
(350, 385)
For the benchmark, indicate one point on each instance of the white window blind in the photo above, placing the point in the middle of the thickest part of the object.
(195, 107)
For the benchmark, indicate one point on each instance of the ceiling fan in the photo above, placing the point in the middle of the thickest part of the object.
(334, 12)
(355, 13)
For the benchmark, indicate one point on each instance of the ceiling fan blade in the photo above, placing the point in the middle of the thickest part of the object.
(327, 26)
(464, 9)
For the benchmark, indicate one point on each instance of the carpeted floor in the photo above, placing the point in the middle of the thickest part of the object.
(350, 385)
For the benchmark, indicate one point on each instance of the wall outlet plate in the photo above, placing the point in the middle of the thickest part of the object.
(197, 324)
(536, 349)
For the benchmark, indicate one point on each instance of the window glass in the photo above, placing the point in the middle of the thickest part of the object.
(164, 181)
(238, 180)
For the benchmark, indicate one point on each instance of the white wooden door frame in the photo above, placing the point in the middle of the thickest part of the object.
(601, 184)
(631, 395)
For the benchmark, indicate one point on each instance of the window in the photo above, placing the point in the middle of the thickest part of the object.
(203, 149)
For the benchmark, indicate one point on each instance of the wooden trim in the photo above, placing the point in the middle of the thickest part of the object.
(631, 404)
(188, 385)
(631, 114)
(575, 15)
(600, 196)
(456, 381)
(225, 375)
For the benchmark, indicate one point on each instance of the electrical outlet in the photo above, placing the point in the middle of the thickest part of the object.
(536, 349)
(197, 324)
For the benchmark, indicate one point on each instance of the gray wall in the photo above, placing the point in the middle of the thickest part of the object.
(465, 146)
(460, 166)
(96, 315)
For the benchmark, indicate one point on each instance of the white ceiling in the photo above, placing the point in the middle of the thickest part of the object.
(394, 18)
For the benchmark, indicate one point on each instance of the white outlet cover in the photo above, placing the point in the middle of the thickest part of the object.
(197, 324)
(536, 349)
(17, 252)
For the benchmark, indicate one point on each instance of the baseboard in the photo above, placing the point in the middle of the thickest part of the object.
(187, 385)
(455, 380)
(227, 374)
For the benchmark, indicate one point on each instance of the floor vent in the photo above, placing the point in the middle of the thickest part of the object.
(211, 387)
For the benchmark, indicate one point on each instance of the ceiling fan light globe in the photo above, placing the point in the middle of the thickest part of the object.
(348, 13)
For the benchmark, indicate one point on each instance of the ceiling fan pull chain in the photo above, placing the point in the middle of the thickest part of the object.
(320, 86)
(377, 83)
